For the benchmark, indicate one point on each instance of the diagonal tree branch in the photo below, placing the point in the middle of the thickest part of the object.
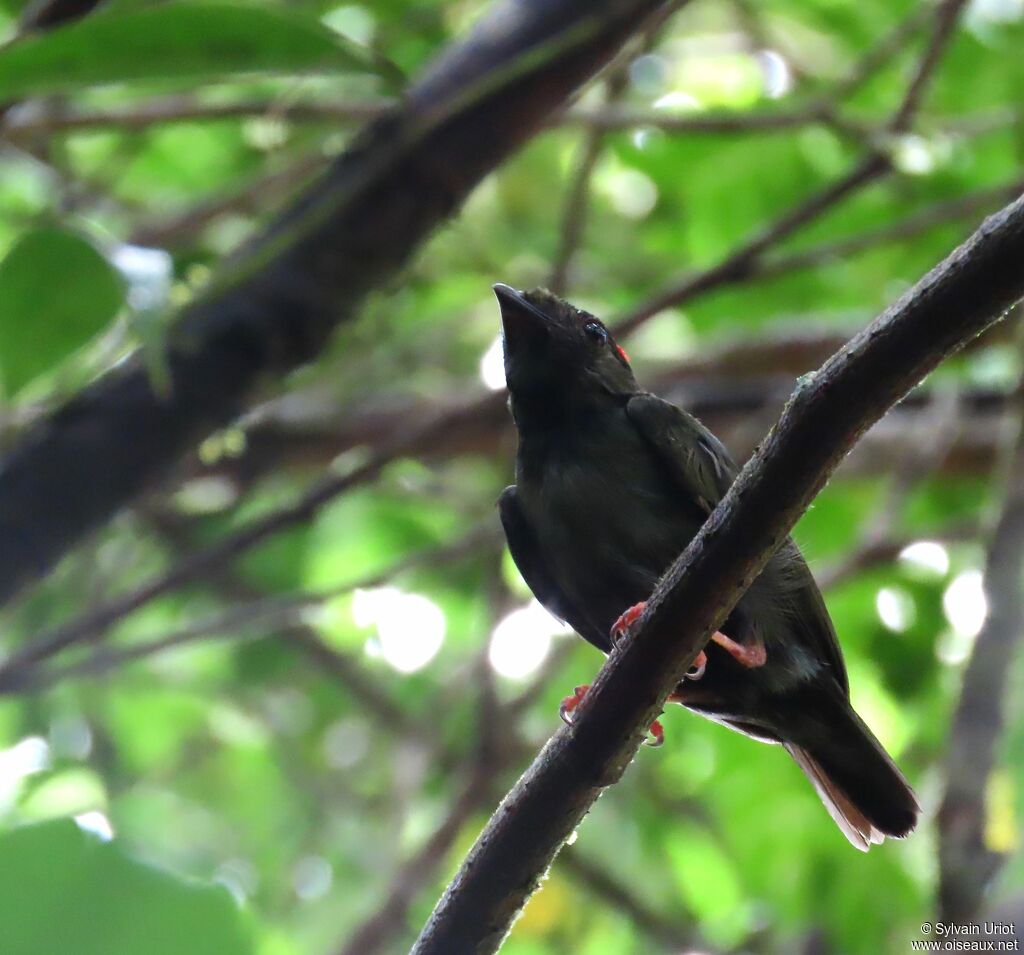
(742, 263)
(826, 415)
(274, 305)
(889, 46)
(944, 24)
(936, 214)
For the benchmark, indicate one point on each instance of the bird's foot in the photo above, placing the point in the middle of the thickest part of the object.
(570, 703)
(751, 655)
(621, 629)
(697, 668)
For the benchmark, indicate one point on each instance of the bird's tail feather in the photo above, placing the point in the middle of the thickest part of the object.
(860, 785)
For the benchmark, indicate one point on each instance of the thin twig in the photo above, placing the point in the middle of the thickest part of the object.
(876, 551)
(943, 27)
(577, 201)
(266, 613)
(220, 554)
(255, 196)
(30, 123)
(891, 45)
(743, 262)
(917, 459)
(937, 214)
(574, 214)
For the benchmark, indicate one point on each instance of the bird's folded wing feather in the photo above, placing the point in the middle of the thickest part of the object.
(695, 458)
(701, 467)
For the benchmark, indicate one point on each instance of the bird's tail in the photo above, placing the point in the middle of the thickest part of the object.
(860, 785)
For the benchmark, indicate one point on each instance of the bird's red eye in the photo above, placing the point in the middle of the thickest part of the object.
(621, 352)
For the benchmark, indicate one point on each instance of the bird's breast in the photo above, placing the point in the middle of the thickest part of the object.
(607, 518)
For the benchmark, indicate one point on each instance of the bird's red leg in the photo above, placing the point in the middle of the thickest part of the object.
(621, 630)
(749, 655)
(570, 703)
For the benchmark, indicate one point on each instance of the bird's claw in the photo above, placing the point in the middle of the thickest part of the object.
(570, 703)
(621, 628)
(697, 668)
(656, 735)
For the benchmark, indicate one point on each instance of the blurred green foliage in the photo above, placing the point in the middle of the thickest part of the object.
(248, 760)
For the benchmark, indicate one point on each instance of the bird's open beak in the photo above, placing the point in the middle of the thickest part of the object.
(521, 322)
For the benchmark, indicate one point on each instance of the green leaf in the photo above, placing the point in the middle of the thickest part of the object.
(195, 42)
(65, 891)
(56, 292)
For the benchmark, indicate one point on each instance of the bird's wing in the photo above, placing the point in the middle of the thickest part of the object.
(526, 552)
(697, 461)
(703, 470)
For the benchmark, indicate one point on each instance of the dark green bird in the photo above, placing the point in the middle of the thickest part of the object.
(612, 483)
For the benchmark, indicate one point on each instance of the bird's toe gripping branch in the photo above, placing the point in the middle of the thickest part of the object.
(622, 630)
(570, 703)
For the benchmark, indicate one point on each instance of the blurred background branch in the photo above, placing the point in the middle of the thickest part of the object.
(971, 851)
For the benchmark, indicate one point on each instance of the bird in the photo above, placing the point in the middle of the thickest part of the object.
(612, 483)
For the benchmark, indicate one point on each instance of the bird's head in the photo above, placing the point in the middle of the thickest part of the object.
(554, 350)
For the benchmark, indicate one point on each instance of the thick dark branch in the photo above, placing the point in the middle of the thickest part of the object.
(967, 862)
(824, 418)
(274, 306)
